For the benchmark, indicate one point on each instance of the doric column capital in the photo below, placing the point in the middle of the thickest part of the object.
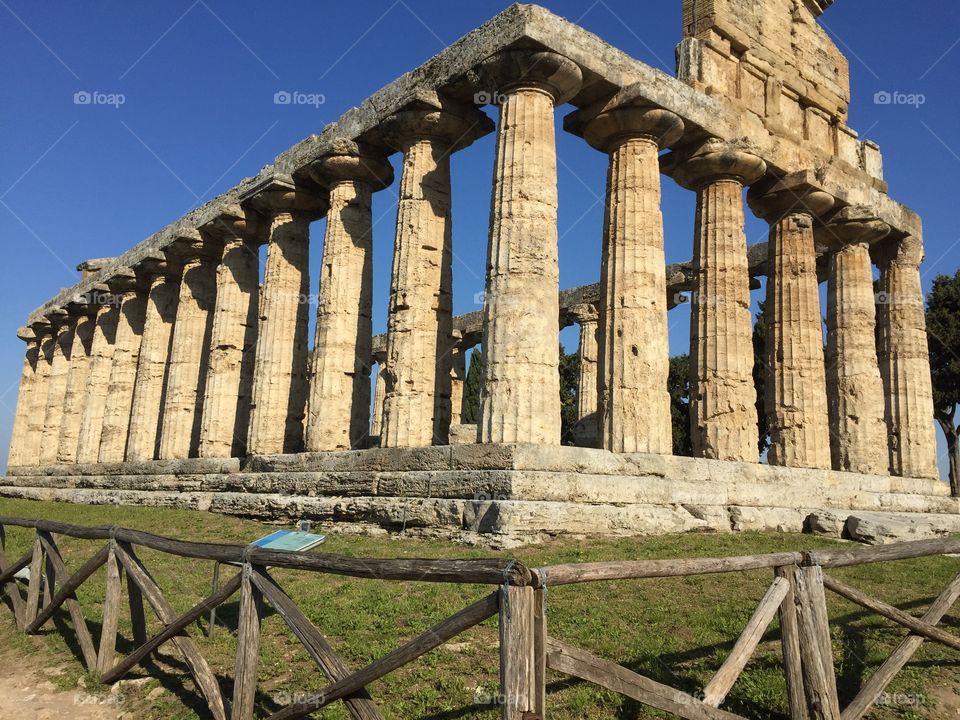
(435, 117)
(235, 222)
(716, 160)
(279, 193)
(81, 305)
(58, 318)
(158, 265)
(613, 127)
(27, 334)
(906, 250)
(583, 313)
(124, 281)
(543, 70)
(191, 246)
(852, 225)
(350, 161)
(773, 199)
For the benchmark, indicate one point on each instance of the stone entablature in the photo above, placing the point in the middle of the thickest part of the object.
(207, 363)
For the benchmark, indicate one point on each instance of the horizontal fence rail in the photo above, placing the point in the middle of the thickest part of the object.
(796, 594)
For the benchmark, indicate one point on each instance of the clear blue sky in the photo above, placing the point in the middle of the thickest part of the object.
(198, 80)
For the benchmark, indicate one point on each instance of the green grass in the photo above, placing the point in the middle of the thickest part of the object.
(675, 630)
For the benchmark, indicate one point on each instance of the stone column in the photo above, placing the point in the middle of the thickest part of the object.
(64, 330)
(280, 364)
(420, 319)
(796, 392)
(189, 347)
(458, 376)
(229, 389)
(84, 324)
(854, 388)
(33, 439)
(380, 390)
(904, 361)
(146, 415)
(634, 404)
(132, 302)
(723, 413)
(26, 399)
(587, 318)
(96, 394)
(520, 395)
(339, 407)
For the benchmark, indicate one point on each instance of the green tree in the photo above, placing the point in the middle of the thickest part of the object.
(678, 384)
(943, 333)
(759, 377)
(569, 385)
(471, 390)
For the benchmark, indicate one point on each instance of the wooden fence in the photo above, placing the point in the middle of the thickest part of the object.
(796, 593)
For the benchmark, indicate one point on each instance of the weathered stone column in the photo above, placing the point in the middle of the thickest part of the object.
(64, 330)
(723, 413)
(33, 438)
(904, 361)
(379, 391)
(229, 389)
(796, 391)
(634, 405)
(96, 393)
(854, 388)
(125, 361)
(520, 395)
(420, 319)
(280, 365)
(339, 407)
(84, 314)
(587, 317)
(458, 375)
(190, 346)
(146, 415)
(26, 399)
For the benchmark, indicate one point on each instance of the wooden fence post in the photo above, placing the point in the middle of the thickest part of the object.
(517, 684)
(36, 578)
(248, 649)
(111, 612)
(13, 592)
(815, 648)
(790, 645)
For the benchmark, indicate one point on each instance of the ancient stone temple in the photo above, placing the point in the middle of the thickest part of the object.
(174, 375)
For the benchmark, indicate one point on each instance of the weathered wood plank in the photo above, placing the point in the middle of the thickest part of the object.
(171, 630)
(790, 645)
(843, 557)
(106, 655)
(822, 703)
(540, 653)
(878, 682)
(11, 588)
(582, 664)
(717, 689)
(516, 652)
(138, 617)
(202, 674)
(638, 569)
(80, 629)
(67, 589)
(359, 705)
(36, 578)
(891, 613)
(248, 649)
(420, 645)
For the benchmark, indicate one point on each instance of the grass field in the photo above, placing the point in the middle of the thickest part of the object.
(676, 630)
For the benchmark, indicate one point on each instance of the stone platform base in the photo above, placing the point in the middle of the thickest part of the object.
(501, 494)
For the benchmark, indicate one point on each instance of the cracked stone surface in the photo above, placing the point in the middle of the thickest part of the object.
(56, 393)
(75, 390)
(98, 381)
(123, 376)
